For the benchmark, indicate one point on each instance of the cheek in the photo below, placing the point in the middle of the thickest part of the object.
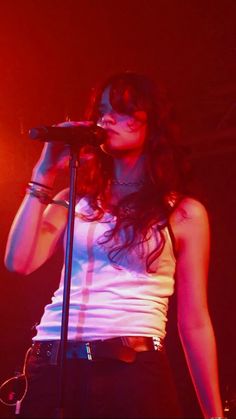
(133, 126)
(136, 138)
(138, 129)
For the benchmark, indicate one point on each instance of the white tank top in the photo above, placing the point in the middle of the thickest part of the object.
(110, 299)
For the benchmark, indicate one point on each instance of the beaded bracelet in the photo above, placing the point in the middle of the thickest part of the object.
(32, 182)
(39, 192)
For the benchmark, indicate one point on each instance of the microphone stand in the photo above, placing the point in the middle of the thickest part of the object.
(67, 281)
(93, 135)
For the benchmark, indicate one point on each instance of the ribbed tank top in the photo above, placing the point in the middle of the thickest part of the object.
(110, 299)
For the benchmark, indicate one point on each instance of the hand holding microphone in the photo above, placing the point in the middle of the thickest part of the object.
(71, 132)
(56, 150)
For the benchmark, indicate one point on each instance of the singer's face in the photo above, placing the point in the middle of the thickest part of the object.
(126, 134)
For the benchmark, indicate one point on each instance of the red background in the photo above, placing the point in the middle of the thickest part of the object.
(52, 53)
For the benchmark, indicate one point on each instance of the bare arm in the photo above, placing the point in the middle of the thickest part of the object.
(34, 234)
(191, 229)
(36, 228)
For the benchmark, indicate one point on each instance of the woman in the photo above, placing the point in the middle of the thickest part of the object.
(138, 234)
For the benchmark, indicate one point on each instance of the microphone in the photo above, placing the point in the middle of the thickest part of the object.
(72, 135)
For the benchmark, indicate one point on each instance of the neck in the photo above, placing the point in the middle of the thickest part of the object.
(129, 169)
(128, 178)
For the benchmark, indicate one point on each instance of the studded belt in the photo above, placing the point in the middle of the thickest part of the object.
(123, 348)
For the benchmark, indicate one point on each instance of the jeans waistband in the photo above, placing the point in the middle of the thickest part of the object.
(123, 348)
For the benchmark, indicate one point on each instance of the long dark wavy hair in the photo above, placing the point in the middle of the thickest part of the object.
(148, 209)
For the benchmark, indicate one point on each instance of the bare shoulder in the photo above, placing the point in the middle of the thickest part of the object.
(189, 209)
(63, 194)
(55, 215)
(189, 219)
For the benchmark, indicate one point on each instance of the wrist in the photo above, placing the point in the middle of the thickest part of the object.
(41, 192)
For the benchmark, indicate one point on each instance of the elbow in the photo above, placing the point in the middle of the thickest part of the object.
(15, 266)
(194, 325)
(8, 262)
(186, 332)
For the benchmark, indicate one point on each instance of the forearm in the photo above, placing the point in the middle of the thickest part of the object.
(37, 226)
(24, 234)
(24, 250)
(201, 356)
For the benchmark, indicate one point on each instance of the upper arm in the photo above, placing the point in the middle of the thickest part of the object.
(191, 230)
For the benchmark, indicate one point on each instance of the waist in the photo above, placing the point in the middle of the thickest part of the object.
(123, 348)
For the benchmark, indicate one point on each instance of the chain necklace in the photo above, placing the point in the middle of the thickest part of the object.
(117, 182)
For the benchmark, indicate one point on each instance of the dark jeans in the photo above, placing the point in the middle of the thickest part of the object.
(104, 388)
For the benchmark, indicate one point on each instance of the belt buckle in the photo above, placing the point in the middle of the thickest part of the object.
(88, 350)
(157, 342)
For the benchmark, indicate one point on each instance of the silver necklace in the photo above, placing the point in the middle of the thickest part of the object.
(117, 182)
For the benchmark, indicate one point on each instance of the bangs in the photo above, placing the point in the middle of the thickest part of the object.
(125, 99)
(129, 93)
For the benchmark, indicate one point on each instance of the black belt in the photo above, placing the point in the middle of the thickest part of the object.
(124, 348)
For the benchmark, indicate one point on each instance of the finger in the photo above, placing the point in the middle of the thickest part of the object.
(74, 124)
